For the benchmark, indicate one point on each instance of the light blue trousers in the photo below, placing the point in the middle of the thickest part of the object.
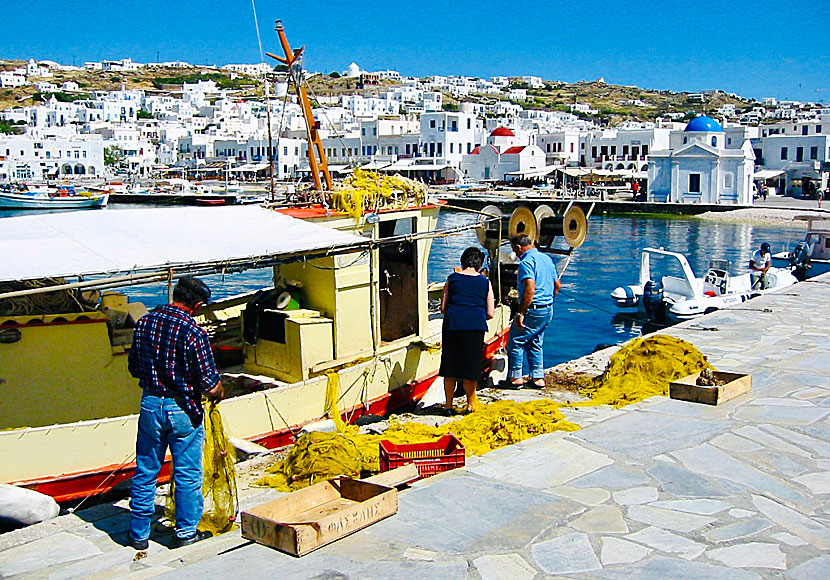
(164, 424)
(528, 341)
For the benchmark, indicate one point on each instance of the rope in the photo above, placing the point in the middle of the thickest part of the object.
(109, 476)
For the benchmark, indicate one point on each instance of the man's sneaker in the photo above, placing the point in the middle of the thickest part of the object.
(200, 535)
(139, 545)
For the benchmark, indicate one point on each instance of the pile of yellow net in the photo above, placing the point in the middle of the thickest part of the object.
(644, 368)
(318, 456)
(219, 484)
(367, 191)
(641, 369)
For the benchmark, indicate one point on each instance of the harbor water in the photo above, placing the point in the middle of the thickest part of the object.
(585, 316)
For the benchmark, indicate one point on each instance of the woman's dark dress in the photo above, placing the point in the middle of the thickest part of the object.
(465, 322)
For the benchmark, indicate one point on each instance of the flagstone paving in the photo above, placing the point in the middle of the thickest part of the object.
(660, 489)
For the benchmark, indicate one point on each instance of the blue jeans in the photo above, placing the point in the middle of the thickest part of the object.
(164, 423)
(528, 341)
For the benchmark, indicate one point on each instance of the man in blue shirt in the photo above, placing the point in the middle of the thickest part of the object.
(172, 360)
(538, 284)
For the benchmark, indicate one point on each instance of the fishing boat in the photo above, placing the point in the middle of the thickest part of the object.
(811, 256)
(67, 403)
(684, 296)
(344, 328)
(63, 197)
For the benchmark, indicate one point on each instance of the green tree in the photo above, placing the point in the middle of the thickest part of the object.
(113, 155)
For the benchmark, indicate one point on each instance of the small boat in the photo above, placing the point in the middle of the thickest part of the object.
(249, 199)
(685, 296)
(64, 197)
(811, 256)
(211, 201)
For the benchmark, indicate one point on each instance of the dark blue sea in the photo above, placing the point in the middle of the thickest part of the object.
(585, 316)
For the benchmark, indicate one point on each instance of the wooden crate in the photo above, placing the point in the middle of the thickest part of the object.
(304, 520)
(685, 389)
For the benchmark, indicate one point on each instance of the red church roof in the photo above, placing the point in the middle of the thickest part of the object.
(475, 151)
(502, 132)
(513, 150)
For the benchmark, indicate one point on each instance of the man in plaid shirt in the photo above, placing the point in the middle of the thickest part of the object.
(173, 362)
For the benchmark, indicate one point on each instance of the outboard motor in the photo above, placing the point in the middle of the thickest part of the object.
(800, 260)
(653, 300)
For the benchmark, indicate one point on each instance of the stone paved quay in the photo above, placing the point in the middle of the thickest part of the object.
(659, 490)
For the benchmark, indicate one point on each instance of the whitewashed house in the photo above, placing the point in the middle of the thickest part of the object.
(699, 168)
(503, 157)
(70, 157)
(10, 79)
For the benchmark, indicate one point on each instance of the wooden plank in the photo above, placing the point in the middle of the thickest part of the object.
(686, 389)
(395, 477)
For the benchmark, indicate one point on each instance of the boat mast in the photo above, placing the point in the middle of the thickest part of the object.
(293, 60)
(270, 143)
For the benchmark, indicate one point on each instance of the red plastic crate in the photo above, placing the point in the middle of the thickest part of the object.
(437, 456)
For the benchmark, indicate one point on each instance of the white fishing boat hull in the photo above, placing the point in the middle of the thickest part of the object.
(45, 201)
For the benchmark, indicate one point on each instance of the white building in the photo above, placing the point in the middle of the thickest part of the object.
(502, 158)
(68, 158)
(699, 168)
(10, 79)
(449, 136)
(259, 69)
(800, 162)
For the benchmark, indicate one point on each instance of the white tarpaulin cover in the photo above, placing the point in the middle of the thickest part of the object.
(111, 241)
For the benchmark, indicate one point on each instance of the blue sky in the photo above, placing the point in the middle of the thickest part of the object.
(756, 49)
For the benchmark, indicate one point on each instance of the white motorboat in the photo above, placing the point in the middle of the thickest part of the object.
(682, 295)
(811, 256)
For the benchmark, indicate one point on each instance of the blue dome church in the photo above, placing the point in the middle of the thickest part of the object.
(704, 165)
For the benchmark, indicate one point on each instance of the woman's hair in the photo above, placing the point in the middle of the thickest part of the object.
(472, 258)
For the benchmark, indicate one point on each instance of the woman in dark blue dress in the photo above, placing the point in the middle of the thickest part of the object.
(467, 304)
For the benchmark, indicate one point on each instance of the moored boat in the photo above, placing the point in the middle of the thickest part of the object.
(69, 429)
(811, 256)
(64, 197)
(683, 296)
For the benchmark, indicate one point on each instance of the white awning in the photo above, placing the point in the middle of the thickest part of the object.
(375, 165)
(108, 242)
(250, 167)
(547, 170)
(407, 166)
(767, 173)
(576, 171)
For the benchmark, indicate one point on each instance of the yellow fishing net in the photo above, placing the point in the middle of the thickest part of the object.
(369, 191)
(643, 368)
(219, 484)
(318, 456)
(639, 370)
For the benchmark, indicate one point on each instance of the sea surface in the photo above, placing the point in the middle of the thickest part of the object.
(584, 315)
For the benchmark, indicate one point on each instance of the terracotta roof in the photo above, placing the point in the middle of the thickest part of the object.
(513, 150)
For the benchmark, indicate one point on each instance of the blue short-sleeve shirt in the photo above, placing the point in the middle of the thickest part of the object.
(540, 267)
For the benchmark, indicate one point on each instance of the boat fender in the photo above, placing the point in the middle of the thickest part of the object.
(498, 370)
(25, 507)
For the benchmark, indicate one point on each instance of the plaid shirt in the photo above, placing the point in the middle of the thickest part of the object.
(171, 357)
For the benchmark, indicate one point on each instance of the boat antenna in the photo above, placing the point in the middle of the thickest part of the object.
(267, 81)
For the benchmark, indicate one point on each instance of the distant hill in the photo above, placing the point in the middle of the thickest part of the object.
(614, 103)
